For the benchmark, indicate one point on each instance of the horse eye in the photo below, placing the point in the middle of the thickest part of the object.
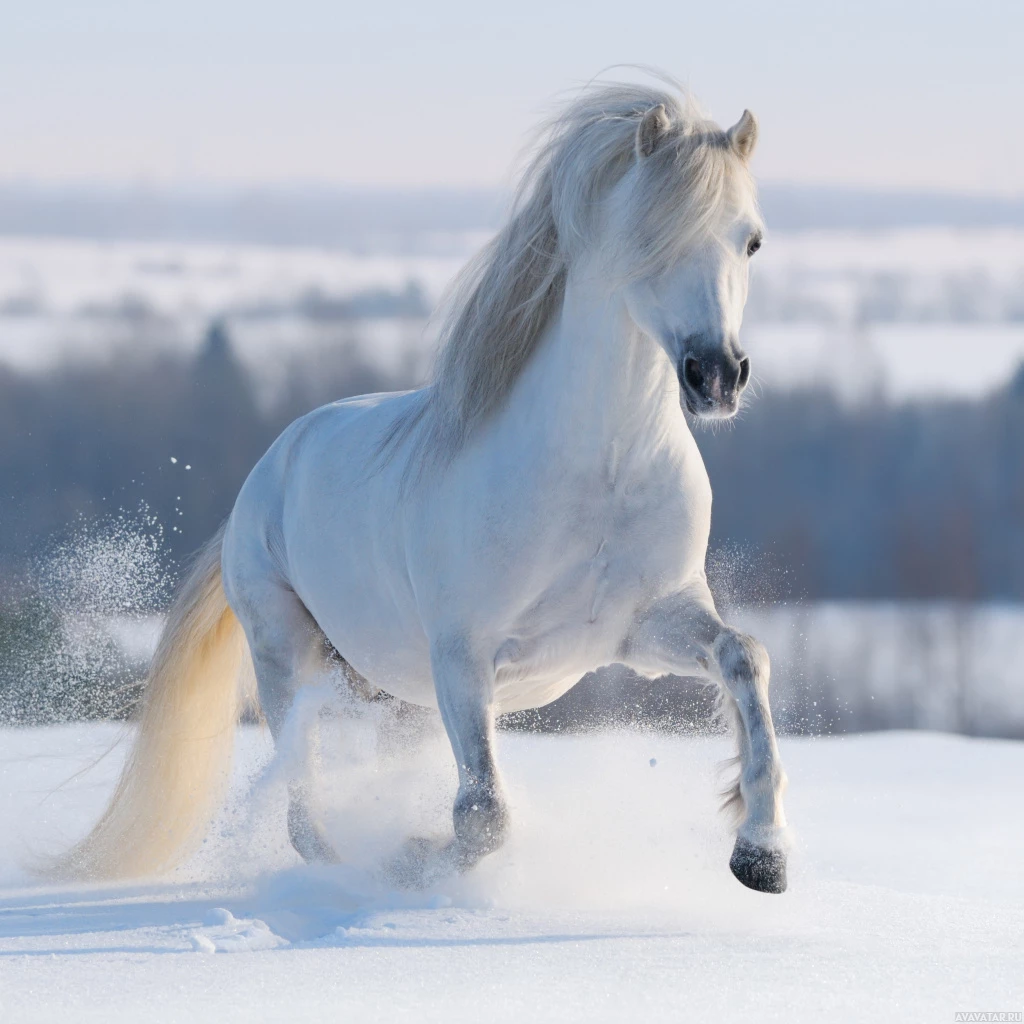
(753, 245)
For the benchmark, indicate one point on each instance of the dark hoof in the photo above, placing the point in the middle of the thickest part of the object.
(481, 824)
(758, 867)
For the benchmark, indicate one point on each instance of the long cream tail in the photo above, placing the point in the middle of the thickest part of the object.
(180, 763)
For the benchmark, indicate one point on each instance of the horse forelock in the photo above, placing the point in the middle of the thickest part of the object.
(499, 306)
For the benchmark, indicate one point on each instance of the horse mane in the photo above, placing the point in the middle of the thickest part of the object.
(502, 301)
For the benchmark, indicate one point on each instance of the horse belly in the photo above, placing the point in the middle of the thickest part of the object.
(560, 641)
(381, 644)
(362, 603)
(551, 665)
(533, 692)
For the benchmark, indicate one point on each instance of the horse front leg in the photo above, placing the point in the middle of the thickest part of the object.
(464, 682)
(684, 635)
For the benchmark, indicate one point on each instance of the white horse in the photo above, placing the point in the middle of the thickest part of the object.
(540, 509)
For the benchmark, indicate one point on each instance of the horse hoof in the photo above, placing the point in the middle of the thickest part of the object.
(306, 838)
(758, 867)
(313, 848)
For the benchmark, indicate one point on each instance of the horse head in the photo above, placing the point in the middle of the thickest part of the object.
(691, 181)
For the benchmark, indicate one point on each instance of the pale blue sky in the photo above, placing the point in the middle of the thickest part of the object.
(907, 94)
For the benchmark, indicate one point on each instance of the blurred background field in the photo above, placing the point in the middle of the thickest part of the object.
(214, 217)
(869, 503)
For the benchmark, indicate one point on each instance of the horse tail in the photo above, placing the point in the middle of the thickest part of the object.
(179, 765)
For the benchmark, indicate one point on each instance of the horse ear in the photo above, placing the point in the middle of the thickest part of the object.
(743, 135)
(652, 127)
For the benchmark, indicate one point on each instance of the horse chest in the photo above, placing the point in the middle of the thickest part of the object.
(628, 530)
(596, 563)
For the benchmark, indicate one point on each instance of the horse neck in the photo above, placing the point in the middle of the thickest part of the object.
(598, 380)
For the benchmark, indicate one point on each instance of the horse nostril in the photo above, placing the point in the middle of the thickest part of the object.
(692, 374)
(744, 373)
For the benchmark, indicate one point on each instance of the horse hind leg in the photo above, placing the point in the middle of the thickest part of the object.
(305, 831)
(289, 654)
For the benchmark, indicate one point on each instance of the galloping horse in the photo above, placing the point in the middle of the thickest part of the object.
(538, 510)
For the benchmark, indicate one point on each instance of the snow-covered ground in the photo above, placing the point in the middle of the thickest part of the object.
(862, 311)
(612, 902)
(856, 665)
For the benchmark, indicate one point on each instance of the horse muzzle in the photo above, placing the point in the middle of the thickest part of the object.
(711, 383)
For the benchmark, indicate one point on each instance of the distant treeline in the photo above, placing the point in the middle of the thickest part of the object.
(918, 500)
(176, 434)
(819, 499)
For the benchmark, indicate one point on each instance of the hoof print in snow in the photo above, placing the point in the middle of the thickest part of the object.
(758, 867)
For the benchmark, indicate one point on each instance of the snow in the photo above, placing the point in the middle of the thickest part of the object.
(861, 311)
(72, 276)
(868, 664)
(611, 902)
(898, 361)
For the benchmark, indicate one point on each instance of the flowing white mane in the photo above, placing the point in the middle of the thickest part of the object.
(504, 298)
